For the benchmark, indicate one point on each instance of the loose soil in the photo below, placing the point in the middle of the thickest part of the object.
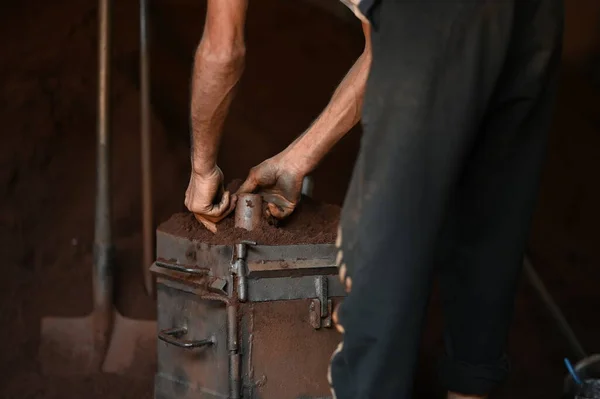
(312, 222)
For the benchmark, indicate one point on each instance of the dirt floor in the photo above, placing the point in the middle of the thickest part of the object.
(47, 176)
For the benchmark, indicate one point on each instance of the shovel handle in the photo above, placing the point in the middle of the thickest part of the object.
(171, 336)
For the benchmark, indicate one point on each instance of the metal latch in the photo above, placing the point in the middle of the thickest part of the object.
(321, 308)
(238, 268)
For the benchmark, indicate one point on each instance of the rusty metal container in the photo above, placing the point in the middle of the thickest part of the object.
(245, 320)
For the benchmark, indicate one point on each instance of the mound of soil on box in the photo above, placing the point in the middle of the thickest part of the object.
(312, 222)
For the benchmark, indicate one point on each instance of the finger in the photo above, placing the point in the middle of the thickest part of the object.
(228, 210)
(217, 211)
(223, 205)
(275, 198)
(279, 212)
(186, 200)
(232, 204)
(248, 186)
(220, 211)
(211, 226)
(279, 206)
(273, 210)
(221, 189)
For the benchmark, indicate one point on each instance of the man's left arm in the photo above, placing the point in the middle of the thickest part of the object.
(279, 179)
(341, 114)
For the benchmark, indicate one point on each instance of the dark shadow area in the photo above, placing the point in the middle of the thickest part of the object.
(297, 53)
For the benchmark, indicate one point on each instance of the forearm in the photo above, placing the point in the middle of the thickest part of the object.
(213, 88)
(340, 115)
(218, 67)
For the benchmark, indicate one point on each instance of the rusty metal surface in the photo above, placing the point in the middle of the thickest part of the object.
(319, 255)
(290, 288)
(285, 358)
(272, 342)
(260, 258)
(196, 284)
(294, 268)
(248, 212)
(192, 253)
(192, 373)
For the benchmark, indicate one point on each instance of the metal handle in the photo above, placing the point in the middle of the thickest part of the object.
(171, 336)
(182, 269)
(102, 280)
(145, 143)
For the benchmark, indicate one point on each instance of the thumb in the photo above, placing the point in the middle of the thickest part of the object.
(218, 209)
(248, 186)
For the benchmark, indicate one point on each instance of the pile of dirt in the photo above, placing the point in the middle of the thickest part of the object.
(312, 222)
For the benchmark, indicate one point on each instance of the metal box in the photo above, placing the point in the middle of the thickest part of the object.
(244, 321)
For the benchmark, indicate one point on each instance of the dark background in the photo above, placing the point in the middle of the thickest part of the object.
(296, 54)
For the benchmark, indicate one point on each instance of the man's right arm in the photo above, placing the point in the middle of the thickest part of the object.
(218, 66)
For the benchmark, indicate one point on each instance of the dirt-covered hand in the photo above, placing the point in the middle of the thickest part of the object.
(207, 198)
(278, 182)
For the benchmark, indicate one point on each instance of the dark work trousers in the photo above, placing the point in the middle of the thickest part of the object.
(458, 104)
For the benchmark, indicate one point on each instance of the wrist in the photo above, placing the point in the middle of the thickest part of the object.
(297, 157)
(203, 167)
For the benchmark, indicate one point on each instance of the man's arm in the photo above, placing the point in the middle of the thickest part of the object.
(218, 66)
(279, 179)
(340, 115)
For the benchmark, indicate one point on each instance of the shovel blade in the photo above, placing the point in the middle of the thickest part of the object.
(132, 348)
(68, 346)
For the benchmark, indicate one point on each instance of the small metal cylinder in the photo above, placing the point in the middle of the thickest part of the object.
(308, 185)
(232, 338)
(242, 288)
(248, 211)
(235, 383)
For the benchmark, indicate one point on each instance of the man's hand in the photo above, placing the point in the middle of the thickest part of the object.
(279, 182)
(207, 199)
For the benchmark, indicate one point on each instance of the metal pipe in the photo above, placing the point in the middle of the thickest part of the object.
(145, 133)
(233, 347)
(232, 334)
(102, 278)
(239, 270)
(235, 378)
(248, 211)
(557, 315)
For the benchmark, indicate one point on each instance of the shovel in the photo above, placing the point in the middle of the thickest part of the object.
(103, 341)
